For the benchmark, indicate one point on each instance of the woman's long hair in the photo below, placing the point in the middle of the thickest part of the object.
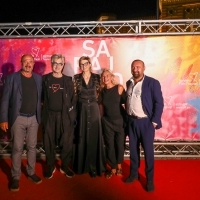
(112, 80)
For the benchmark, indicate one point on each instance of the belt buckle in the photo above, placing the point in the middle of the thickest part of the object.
(136, 117)
(27, 115)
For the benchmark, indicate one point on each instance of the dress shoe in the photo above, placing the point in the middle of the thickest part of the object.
(14, 185)
(67, 171)
(131, 179)
(150, 186)
(35, 179)
(49, 173)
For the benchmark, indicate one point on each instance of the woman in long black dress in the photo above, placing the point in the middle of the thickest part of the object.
(113, 98)
(89, 153)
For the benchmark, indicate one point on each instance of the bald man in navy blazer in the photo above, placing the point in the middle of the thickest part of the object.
(144, 107)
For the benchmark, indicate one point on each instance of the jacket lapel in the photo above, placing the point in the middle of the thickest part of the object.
(18, 82)
(36, 82)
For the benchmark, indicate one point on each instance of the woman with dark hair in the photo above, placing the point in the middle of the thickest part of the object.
(112, 98)
(89, 153)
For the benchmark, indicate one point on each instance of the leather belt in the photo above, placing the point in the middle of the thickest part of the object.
(88, 100)
(136, 117)
(27, 114)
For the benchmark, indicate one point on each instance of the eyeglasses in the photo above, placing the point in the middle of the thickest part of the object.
(57, 64)
(84, 64)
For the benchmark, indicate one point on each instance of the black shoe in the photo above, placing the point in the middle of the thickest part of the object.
(49, 173)
(131, 179)
(68, 172)
(150, 186)
(14, 185)
(93, 174)
(35, 179)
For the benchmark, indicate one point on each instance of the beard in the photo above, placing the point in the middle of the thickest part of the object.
(136, 75)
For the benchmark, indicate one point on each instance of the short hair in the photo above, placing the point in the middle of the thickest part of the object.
(57, 56)
(138, 60)
(84, 58)
(25, 56)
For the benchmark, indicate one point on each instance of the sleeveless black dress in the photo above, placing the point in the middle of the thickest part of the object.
(113, 124)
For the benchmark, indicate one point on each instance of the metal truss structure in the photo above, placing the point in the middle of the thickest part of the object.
(162, 149)
(172, 149)
(100, 28)
(167, 149)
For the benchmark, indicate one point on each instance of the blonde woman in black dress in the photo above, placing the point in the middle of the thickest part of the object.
(113, 98)
(89, 153)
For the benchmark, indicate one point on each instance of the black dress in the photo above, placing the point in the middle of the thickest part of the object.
(113, 125)
(89, 153)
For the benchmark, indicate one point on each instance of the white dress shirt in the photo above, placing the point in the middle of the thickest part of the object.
(134, 102)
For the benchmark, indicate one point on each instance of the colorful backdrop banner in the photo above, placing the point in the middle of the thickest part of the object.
(173, 60)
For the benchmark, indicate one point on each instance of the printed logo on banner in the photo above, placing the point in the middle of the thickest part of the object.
(168, 102)
(35, 53)
(181, 105)
(193, 78)
(46, 57)
(97, 65)
(192, 81)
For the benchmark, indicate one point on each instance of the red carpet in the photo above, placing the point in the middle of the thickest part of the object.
(174, 179)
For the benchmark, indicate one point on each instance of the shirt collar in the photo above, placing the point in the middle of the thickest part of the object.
(132, 80)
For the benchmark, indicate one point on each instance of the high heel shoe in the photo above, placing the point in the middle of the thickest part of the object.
(110, 173)
(119, 172)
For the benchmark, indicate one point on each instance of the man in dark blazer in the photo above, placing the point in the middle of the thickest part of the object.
(144, 107)
(21, 113)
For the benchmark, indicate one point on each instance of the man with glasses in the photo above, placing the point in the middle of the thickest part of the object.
(21, 113)
(58, 116)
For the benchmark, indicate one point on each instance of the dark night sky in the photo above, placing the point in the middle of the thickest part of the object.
(74, 10)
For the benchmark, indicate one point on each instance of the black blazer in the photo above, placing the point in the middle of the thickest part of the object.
(69, 103)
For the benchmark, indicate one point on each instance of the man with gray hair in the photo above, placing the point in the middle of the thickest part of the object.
(58, 116)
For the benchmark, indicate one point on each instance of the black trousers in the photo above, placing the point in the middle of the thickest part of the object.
(114, 140)
(57, 134)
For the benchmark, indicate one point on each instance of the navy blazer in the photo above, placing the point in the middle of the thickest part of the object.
(12, 98)
(152, 99)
